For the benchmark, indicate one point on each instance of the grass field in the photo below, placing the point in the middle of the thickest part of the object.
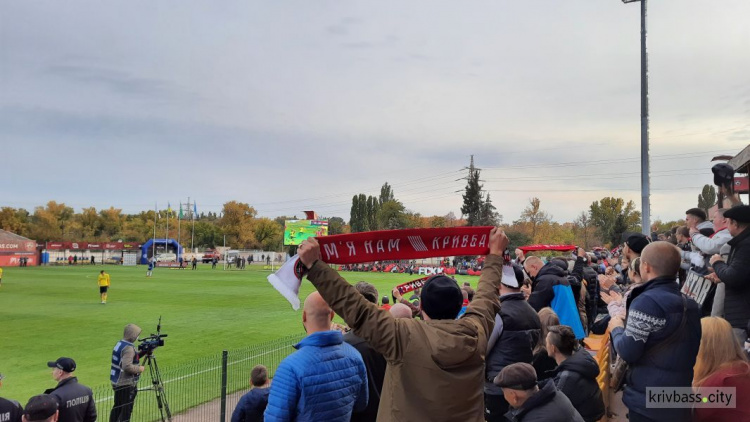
(48, 312)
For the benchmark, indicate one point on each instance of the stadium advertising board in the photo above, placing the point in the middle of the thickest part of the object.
(296, 231)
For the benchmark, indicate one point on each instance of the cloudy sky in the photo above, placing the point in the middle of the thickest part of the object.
(294, 105)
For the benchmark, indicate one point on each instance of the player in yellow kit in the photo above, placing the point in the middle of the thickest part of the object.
(103, 281)
(1, 276)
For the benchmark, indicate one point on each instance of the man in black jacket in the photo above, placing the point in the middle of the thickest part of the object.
(576, 372)
(532, 403)
(551, 288)
(375, 363)
(735, 273)
(516, 332)
(75, 401)
(41, 408)
(10, 410)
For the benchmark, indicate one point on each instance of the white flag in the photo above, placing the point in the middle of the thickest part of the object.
(287, 281)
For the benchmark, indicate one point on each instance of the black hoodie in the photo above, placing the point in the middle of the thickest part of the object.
(547, 405)
(576, 378)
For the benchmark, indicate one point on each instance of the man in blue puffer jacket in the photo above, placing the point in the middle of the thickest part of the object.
(661, 338)
(325, 380)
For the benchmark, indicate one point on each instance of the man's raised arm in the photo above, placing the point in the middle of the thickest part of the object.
(377, 326)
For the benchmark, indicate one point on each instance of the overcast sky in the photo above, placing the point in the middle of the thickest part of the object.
(295, 105)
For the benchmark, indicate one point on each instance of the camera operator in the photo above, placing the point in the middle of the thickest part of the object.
(76, 401)
(124, 374)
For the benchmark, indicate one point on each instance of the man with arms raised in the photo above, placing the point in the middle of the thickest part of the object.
(435, 366)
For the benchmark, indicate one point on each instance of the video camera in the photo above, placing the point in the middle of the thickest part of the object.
(150, 343)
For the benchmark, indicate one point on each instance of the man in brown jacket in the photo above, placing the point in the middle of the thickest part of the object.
(435, 367)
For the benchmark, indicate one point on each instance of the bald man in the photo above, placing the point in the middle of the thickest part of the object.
(400, 310)
(325, 379)
(661, 339)
(550, 288)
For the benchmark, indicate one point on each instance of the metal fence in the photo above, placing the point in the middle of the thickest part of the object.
(205, 389)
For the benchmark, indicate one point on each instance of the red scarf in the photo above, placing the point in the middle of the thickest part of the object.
(391, 245)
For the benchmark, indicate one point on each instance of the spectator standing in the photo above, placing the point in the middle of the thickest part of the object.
(576, 372)
(541, 361)
(516, 333)
(531, 402)
(550, 288)
(435, 366)
(735, 272)
(75, 401)
(661, 338)
(374, 361)
(721, 362)
(41, 408)
(252, 404)
(711, 245)
(194, 263)
(325, 379)
(695, 219)
(399, 310)
(385, 303)
(10, 410)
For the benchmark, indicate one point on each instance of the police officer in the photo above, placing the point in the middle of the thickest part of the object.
(75, 401)
(124, 374)
(10, 410)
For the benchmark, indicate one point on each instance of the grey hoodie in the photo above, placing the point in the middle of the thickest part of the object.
(130, 370)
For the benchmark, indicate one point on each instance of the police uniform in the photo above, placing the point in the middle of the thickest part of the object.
(76, 401)
(10, 411)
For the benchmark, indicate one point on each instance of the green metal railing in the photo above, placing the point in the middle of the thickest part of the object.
(205, 389)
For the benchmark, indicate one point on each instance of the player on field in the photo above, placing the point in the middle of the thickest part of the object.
(103, 281)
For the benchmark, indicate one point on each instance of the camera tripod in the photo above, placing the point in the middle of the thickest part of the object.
(157, 386)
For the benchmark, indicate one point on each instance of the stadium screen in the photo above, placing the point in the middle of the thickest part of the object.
(296, 231)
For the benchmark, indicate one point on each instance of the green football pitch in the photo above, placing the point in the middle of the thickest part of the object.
(48, 312)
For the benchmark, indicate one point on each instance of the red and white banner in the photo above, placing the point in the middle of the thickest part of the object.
(81, 246)
(559, 248)
(18, 246)
(412, 285)
(389, 245)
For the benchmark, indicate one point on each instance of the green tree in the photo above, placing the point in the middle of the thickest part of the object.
(356, 219)
(612, 217)
(336, 225)
(488, 216)
(237, 223)
(392, 216)
(51, 222)
(111, 223)
(372, 213)
(386, 194)
(472, 207)
(12, 220)
(707, 198)
(534, 216)
(268, 234)
(207, 235)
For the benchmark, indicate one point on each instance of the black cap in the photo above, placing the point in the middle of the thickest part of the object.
(740, 214)
(637, 242)
(40, 408)
(697, 212)
(66, 364)
(517, 376)
(441, 298)
(723, 174)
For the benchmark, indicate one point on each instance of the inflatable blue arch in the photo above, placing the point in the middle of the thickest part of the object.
(148, 248)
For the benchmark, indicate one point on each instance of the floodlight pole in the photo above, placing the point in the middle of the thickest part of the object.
(645, 174)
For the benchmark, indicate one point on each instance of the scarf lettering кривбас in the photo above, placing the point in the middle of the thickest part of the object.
(390, 245)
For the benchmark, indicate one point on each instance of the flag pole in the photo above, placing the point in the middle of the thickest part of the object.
(153, 244)
(179, 232)
(192, 232)
(166, 238)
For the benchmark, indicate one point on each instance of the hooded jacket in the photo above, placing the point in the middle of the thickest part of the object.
(435, 368)
(576, 378)
(125, 368)
(324, 380)
(551, 288)
(547, 405)
(735, 274)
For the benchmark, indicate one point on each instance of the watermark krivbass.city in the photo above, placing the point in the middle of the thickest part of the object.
(679, 397)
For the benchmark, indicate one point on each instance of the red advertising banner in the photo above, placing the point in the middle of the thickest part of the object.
(80, 246)
(15, 260)
(741, 185)
(18, 246)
